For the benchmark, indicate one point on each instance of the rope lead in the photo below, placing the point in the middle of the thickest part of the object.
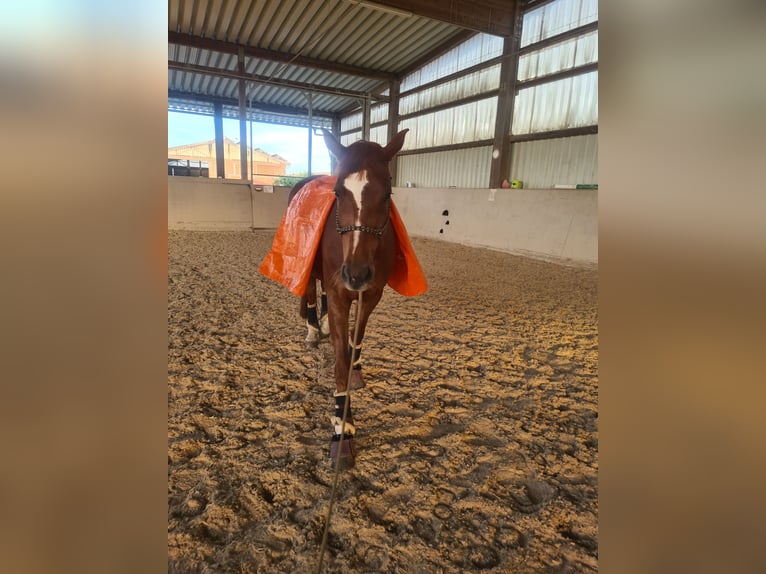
(336, 474)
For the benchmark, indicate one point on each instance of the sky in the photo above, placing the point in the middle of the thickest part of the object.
(289, 142)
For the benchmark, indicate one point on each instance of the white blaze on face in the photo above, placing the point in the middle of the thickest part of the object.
(355, 183)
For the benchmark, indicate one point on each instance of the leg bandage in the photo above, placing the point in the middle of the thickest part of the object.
(355, 354)
(341, 399)
(311, 316)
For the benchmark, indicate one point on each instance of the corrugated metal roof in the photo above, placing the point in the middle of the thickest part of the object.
(340, 32)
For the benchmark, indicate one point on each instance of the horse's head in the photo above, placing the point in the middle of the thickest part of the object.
(363, 191)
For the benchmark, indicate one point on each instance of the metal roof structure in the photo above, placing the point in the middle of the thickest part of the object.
(291, 58)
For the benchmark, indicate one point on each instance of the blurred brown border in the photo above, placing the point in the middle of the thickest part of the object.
(83, 414)
(83, 341)
(681, 273)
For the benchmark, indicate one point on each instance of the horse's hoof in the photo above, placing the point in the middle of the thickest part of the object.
(324, 327)
(357, 382)
(312, 336)
(346, 452)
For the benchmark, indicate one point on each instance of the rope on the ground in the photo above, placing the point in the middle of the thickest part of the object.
(336, 473)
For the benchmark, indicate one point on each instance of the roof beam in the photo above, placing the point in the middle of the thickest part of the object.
(231, 74)
(489, 16)
(551, 40)
(272, 55)
(234, 103)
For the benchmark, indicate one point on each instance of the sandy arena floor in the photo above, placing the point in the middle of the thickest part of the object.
(477, 431)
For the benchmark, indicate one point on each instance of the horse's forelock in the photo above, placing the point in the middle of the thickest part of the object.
(367, 156)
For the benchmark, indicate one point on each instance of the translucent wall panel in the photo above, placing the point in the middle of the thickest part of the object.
(443, 128)
(480, 48)
(471, 84)
(557, 17)
(410, 124)
(467, 123)
(587, 49)
(565, 161)
(379, 113)
(467, 168)
(486, 112)
(583, 107)
(562, 56)
(379, 134)
(351, 121)
(567, 103)
(351, 138)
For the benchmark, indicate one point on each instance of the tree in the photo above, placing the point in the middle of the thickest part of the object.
(288, 180)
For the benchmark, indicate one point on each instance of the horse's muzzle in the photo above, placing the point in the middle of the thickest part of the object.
(356, 277)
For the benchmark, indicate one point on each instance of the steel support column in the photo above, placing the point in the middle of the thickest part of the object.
(242, 118)
(336, 133)
(220, 163)
(366, 119)
(393, 124)
(501, 149)
(311, 129)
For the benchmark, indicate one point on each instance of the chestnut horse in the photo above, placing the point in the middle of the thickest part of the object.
(355, 254)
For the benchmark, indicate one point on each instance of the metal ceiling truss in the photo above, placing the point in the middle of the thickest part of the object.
(210, 71)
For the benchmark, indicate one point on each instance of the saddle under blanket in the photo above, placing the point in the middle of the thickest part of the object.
(296, 242)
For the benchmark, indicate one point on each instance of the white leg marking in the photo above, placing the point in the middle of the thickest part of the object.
(355, 183)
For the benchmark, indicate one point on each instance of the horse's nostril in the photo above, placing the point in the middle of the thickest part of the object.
(356, 277)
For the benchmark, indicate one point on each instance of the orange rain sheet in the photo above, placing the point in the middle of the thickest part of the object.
(297, 239)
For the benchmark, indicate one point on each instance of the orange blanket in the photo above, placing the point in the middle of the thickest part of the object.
(297, 239)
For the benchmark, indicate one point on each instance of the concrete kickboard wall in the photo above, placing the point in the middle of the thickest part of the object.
(209, 204)
(558, 224)
(555, 224)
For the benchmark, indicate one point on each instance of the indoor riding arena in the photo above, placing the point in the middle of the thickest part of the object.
(477, 431)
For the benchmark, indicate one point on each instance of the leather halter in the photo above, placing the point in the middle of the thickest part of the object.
(376, 231)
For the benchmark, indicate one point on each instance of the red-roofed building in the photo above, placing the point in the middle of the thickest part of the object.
(266, 167)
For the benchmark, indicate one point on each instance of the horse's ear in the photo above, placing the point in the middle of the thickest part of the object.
(396, 143)
(336, 148)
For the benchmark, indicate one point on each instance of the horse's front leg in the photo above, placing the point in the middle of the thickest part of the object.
(369, 300)
(338, 319)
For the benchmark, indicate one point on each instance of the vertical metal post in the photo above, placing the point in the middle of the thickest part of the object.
(311, 130)
(336, 133)
(501, 149)
(220, 164)
(366, 118)
(393, 124)
(242, 117)
(250, 146)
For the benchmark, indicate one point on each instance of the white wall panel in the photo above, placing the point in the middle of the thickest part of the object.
(568, 103)
(379, 113)
(557, 17)
(379, 134)
(351, 121)
(562, 56)
(443, 127)
(465, 168)
(546, 163)
(480, 48)
(583, 109)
